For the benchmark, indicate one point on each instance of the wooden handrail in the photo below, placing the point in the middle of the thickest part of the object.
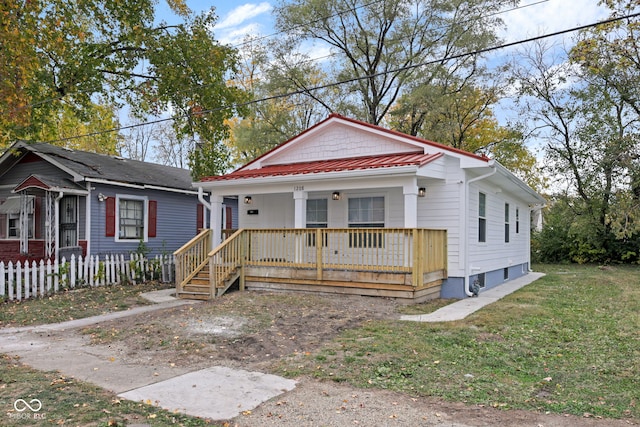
(225, 259)
(192, 257)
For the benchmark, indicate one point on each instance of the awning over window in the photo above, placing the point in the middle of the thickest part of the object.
(11, 206)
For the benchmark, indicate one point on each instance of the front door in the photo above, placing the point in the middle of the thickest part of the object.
(68, 221)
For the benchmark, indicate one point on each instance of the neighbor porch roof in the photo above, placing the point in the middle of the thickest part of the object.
(332, 165)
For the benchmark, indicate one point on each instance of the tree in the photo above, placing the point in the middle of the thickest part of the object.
(66, 124)
(68, 52)
(609, 56)
(273, 74)
(591, 140)
(381, 46)
(465, 120)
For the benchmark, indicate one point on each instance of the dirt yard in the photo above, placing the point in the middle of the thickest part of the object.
(253, 330)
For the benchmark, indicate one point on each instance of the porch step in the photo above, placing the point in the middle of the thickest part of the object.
(195, 295)
(198, 287)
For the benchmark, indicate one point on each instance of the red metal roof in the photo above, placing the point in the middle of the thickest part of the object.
(333, 165)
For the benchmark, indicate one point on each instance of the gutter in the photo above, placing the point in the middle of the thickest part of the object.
(467, 268)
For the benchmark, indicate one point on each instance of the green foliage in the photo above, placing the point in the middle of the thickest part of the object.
(66, 54)
(570, 234)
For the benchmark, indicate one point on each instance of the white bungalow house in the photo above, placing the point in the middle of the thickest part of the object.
(396, 216)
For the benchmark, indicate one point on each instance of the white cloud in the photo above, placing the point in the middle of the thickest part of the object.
(550, 16)
(236, 36)
(243, 13)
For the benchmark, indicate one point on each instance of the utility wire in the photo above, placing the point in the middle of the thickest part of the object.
(353, 9)
(329, 85)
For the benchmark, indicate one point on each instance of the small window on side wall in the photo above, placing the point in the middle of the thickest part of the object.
(506, 223)
(482, 217)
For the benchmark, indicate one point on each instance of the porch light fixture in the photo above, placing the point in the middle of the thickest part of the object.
(335, 195)
(247, 200)
(101, 197)
(422, 192)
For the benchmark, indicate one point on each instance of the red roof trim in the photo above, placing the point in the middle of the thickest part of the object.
(31, 182)
(375, 127)
(333, 165)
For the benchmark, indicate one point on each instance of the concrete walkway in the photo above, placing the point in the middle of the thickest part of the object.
(461, 309)
(218, 393)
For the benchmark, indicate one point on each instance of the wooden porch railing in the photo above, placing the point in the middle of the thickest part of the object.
(226, 261)
(191, 257)
(413, 252)
(391, 250)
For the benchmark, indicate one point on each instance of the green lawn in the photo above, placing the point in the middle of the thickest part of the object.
(77, 303)
(569, 343)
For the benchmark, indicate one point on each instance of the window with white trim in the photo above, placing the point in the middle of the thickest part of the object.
(317, 217)
(131, 218)
(506, 223)
(11, 210)
(366, 212)
(482, 217)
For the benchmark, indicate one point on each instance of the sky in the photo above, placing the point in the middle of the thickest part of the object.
(532, 18)
(535, 17)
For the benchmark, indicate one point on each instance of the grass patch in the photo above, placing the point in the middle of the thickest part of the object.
(568, 343)
(425, 307)
(73, 304)
(66, 401)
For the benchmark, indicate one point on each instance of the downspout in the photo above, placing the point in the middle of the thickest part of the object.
(88, 220)
(206, 205)
(57, 224)
(467, 268)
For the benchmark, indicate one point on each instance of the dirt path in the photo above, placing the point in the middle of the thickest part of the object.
(251, 331)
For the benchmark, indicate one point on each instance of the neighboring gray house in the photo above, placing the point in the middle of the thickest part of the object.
(56, 202)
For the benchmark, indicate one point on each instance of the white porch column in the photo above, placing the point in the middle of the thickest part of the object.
(411, 204)
(300, 201)
(215, 221)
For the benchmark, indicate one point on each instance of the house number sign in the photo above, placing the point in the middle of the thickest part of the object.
(298, 188)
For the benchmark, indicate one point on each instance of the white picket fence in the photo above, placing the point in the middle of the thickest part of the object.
(23, 281)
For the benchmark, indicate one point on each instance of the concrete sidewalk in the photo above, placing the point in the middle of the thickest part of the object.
(218, 393)
(461, 309)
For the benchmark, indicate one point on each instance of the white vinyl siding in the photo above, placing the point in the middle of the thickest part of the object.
(495, 253)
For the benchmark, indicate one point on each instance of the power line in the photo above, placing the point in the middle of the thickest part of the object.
(355, 79)
(352, 9)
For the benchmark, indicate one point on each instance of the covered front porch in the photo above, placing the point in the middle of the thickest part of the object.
(407, 263)
(41, 220)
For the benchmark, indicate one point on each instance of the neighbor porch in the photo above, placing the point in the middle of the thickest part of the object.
(407, 263)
